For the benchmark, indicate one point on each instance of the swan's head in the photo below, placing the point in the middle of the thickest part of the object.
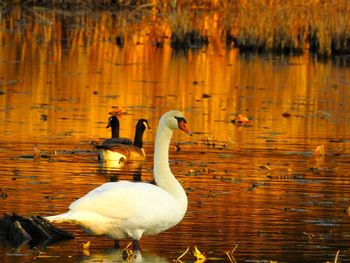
(113, 121)
(175, 120)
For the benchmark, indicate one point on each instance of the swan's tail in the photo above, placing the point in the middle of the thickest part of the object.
(66, 217)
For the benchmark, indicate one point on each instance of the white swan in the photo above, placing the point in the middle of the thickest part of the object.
(128, 209)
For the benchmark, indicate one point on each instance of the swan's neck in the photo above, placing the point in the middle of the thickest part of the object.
(161, 152)
(162, 173)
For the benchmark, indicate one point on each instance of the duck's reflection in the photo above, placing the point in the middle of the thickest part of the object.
(119, 255)
(115, 170)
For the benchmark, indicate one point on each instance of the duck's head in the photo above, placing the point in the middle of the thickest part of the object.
(175, 120)
(142, 125)
(113, 121)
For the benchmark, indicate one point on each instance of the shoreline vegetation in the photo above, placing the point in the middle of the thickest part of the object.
(293, 27)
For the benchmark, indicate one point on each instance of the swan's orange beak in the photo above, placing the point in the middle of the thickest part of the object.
(183, 127)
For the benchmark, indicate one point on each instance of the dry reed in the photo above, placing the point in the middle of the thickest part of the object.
(287, 27)
(185, 30)
(293, 26)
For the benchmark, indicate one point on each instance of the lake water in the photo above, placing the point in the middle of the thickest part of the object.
(259, 185)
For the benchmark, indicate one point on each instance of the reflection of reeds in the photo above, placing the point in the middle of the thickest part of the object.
(185, 33)
(264, 28)
(293, 26)
(329, 28)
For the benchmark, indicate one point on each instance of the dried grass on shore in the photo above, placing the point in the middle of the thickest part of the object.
(284, 27)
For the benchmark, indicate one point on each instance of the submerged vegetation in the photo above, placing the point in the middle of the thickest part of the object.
(284, 27)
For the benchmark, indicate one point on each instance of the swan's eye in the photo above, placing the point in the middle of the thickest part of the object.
(179, 119)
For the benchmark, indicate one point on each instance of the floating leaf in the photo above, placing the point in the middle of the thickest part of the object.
(197, 254)
(240, 119)
(37, 153)
(86, 245)
(265, 167)
(320, 150)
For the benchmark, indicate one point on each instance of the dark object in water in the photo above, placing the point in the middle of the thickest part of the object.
(192, 39)
(230, 39)
(18, 230)
(286, 114)
(119, 40)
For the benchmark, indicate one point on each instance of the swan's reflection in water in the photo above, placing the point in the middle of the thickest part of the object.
(117, 255)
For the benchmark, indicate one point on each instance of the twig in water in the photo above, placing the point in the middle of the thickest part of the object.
(336, 256)
(182, 255)
(127, 252)
(230, 254)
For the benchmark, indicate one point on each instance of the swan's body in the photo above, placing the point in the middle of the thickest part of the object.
(127, 209)
(120, 149)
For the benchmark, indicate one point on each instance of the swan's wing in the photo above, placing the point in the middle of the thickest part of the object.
(124, 200)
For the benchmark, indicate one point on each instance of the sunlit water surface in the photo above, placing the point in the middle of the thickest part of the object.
(259, 186)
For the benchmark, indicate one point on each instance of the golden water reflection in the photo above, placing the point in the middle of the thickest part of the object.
(56, 96)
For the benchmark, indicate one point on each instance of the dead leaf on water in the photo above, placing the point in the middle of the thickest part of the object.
(36, 153)
(197, 254)
(319, 151)
(85, 245)
(265, 167)
(240, 119)
(309, 236)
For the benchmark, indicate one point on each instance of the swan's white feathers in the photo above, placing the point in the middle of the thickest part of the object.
(124, 200)
(125, 205)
